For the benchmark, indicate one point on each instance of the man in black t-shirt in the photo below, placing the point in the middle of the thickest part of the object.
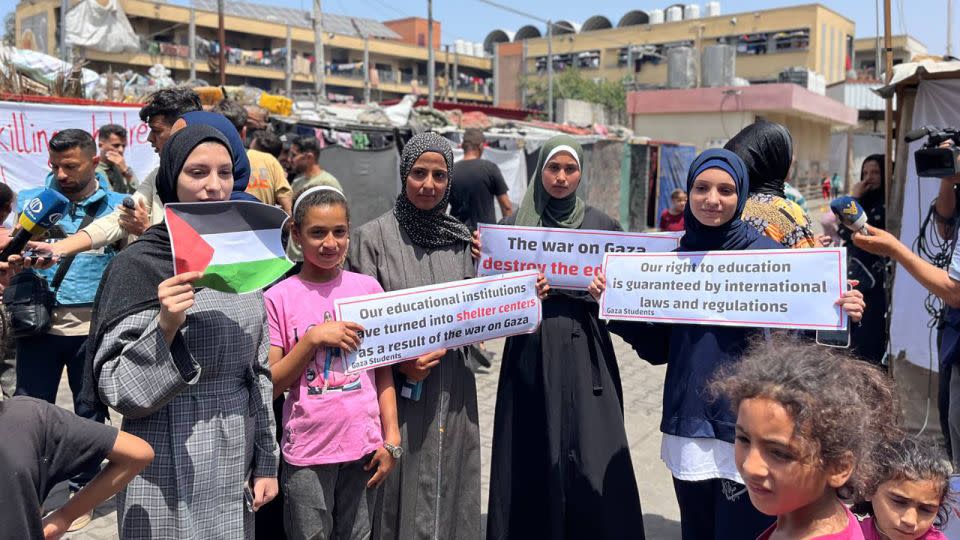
(476, 183)
(49, 446)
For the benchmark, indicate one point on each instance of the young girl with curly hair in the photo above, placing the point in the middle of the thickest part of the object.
(808, 420)
(909, 496)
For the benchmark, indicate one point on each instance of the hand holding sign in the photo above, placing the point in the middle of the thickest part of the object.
(417, 370)
(342, 334)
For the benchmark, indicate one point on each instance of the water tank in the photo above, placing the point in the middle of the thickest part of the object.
(656, 16)
(713, 9)
(681, 68)
(459, 46)
(468, 48)
(719, 65)
(478, 49)
(674, 14)
(691, 11)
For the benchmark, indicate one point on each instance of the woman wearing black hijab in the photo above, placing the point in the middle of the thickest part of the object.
(698, 431)
(766, 149)
(868, 340)
(435, 491)
(188, 370)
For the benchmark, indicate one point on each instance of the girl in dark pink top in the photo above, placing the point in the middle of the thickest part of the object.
(909, 495)
(807, 424)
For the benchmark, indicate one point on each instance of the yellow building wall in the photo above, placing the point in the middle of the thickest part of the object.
(30, 8)
(811, 139)
(818, 19)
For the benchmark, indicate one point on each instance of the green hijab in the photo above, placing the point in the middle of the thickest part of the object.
(538, 208)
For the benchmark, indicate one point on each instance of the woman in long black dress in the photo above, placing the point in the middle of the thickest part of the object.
(561, 463)
(868, 340)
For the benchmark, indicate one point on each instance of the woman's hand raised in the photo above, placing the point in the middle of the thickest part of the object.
(417, 370)
(598, 286)
(543, 286)
(475, 245)
(176, 297)
(852, 302)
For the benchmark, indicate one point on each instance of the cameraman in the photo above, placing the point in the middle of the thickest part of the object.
(944, 284)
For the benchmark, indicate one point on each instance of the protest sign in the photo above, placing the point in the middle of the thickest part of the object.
(406, 324)
(569, 258)
(789, 288)
(26, 128)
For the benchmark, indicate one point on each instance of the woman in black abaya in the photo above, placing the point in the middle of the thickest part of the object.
(561, 463)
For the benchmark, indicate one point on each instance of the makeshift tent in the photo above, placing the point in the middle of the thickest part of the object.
(103, 28)
(513, 167)
(370, 179)
(602, 182)
(671, 175)
(924, 93)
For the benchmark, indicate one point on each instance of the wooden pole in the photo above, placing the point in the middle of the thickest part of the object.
(319, 68)
(888, 116)
(431, 74)
(222, 37)
(288, 74)
(192, 41)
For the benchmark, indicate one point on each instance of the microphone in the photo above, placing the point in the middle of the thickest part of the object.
(850, 213)
(39, 214)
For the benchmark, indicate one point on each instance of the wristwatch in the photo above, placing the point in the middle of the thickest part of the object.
(395, 451)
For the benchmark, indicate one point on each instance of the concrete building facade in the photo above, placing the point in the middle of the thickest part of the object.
(811, 37)
(709, 117)
(257, 37)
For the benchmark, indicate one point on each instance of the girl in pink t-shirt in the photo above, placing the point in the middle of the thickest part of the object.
(908, 496)
(340, 432)
(807, 422)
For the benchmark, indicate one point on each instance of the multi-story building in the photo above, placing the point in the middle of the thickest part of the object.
(811, 37)
(257, 39)
(905, 49)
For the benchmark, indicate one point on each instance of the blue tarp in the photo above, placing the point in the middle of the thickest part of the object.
(674, 162)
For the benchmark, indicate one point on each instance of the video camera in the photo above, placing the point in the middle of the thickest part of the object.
(933, 161)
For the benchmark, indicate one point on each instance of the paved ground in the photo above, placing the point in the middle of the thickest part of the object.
(642, 388)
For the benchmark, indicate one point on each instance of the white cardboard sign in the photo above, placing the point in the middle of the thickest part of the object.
(788, 288)
(406, 324)
(569, 258)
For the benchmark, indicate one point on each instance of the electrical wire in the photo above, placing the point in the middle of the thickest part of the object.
(938, 251)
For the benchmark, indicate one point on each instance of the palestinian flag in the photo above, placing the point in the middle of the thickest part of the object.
(236, 244)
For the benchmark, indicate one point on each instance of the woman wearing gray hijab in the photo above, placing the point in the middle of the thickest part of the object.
(435, 491)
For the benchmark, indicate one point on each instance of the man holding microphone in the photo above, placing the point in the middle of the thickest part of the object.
(945, 284)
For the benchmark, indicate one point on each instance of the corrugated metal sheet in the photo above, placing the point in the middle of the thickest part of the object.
(858, 95)
(338, 24)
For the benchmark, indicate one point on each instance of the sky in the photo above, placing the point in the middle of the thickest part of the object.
(472, 20)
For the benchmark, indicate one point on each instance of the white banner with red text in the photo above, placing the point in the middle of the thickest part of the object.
(26, 128)
(569, 258)
(406, 324)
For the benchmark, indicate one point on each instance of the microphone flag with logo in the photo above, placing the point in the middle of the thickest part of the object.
(850, 213)
(39, 214)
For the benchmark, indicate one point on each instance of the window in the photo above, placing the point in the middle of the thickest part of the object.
(642, 54)
(421, 40)
(770, 42)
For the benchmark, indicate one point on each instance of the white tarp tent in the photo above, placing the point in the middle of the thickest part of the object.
(101, 27)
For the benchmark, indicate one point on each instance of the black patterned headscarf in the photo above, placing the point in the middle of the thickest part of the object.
(428, 228)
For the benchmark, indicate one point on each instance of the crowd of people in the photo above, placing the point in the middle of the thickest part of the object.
(240, 419)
